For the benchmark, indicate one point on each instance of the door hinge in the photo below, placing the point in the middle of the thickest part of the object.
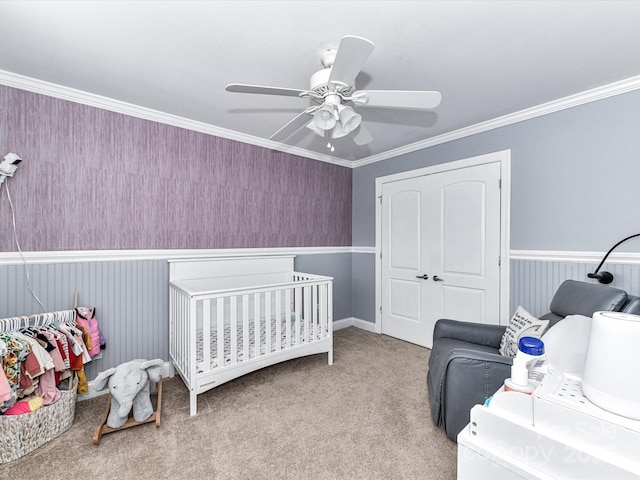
(380, 308)
(380, 197)
(500, 183)
(499, 260)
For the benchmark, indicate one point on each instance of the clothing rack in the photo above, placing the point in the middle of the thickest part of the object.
(21, 434)
(12, 324)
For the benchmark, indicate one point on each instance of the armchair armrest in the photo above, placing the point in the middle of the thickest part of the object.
(478, 333)
(479, 356)
(471, 377)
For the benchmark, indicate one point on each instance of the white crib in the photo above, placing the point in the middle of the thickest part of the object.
(232, 316)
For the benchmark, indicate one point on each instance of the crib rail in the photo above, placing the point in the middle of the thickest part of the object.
(247, 324)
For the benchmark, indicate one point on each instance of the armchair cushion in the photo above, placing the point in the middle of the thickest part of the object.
(581, 298)
(633, 305)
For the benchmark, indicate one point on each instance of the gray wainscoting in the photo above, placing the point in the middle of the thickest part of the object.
(364, 286)
(338, 266)
(131, 298)
(533, 282)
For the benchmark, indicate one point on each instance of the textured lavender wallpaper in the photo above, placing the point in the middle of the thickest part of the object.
(95, 180)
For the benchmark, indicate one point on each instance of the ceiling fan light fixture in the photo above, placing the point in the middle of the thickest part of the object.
(339, 131)
(314, 128)
(333, 86)
(325, 118)
(349, 119)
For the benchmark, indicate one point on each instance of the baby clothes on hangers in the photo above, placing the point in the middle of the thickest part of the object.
(17, 351)
(30, 370)
(37, 352)
(5, 388)
(46, 384)
(47, 388)
(76, 360)
(43, 357)
(53, 349)
(86, 320)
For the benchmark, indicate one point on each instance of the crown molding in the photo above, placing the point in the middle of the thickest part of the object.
(78, 96)
(599, 93)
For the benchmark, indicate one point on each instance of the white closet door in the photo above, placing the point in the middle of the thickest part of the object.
(440, 251)
(405, 292)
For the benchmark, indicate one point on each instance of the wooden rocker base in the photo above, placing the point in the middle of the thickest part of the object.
(104, 428)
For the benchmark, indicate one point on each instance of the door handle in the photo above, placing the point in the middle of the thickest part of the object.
(424, 277)
(436, 278)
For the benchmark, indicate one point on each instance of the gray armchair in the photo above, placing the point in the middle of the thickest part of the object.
(465, 367)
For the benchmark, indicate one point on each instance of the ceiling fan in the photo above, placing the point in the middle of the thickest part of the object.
(333, 88)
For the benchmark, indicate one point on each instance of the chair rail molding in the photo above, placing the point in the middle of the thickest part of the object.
(12, 258)
(632, 258)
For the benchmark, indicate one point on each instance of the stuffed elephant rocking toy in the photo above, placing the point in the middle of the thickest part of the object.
(130, 385)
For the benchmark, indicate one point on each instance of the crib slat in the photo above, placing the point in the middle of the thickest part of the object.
(298, 307)
(314, 312)
(256, 323)
(206, 334)
(177, 342)
(267, 322)
(186, 339)
(233, 307)
(191, 351)
(220, 327)
(172, 322)
(184, 335)
(329, 307)
(245, 327)
(278, 319)
(287, 308)
(306, 295)
(177, 315)
(323, 310)
(188, 320)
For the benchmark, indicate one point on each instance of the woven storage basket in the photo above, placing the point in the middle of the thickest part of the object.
(22, 434)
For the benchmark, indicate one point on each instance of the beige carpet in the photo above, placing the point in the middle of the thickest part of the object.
(365, 417)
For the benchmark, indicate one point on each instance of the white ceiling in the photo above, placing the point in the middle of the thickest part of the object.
(489, 59)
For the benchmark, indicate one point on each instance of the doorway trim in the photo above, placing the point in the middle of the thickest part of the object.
(504, 158)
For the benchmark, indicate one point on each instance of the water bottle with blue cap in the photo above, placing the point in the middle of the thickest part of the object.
(526, 370)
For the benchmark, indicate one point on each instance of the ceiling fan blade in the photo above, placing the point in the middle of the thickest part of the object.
(352, 54)
(244, 88)
(293, 126)
(362, 136)
(398, 99)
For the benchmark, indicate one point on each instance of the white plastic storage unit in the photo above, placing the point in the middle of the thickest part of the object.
(554, 433)
(232, 316)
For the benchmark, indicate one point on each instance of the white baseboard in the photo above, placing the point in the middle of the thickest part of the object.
(354, 322)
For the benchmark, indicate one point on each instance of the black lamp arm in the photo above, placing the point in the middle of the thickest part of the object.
(606, 277)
